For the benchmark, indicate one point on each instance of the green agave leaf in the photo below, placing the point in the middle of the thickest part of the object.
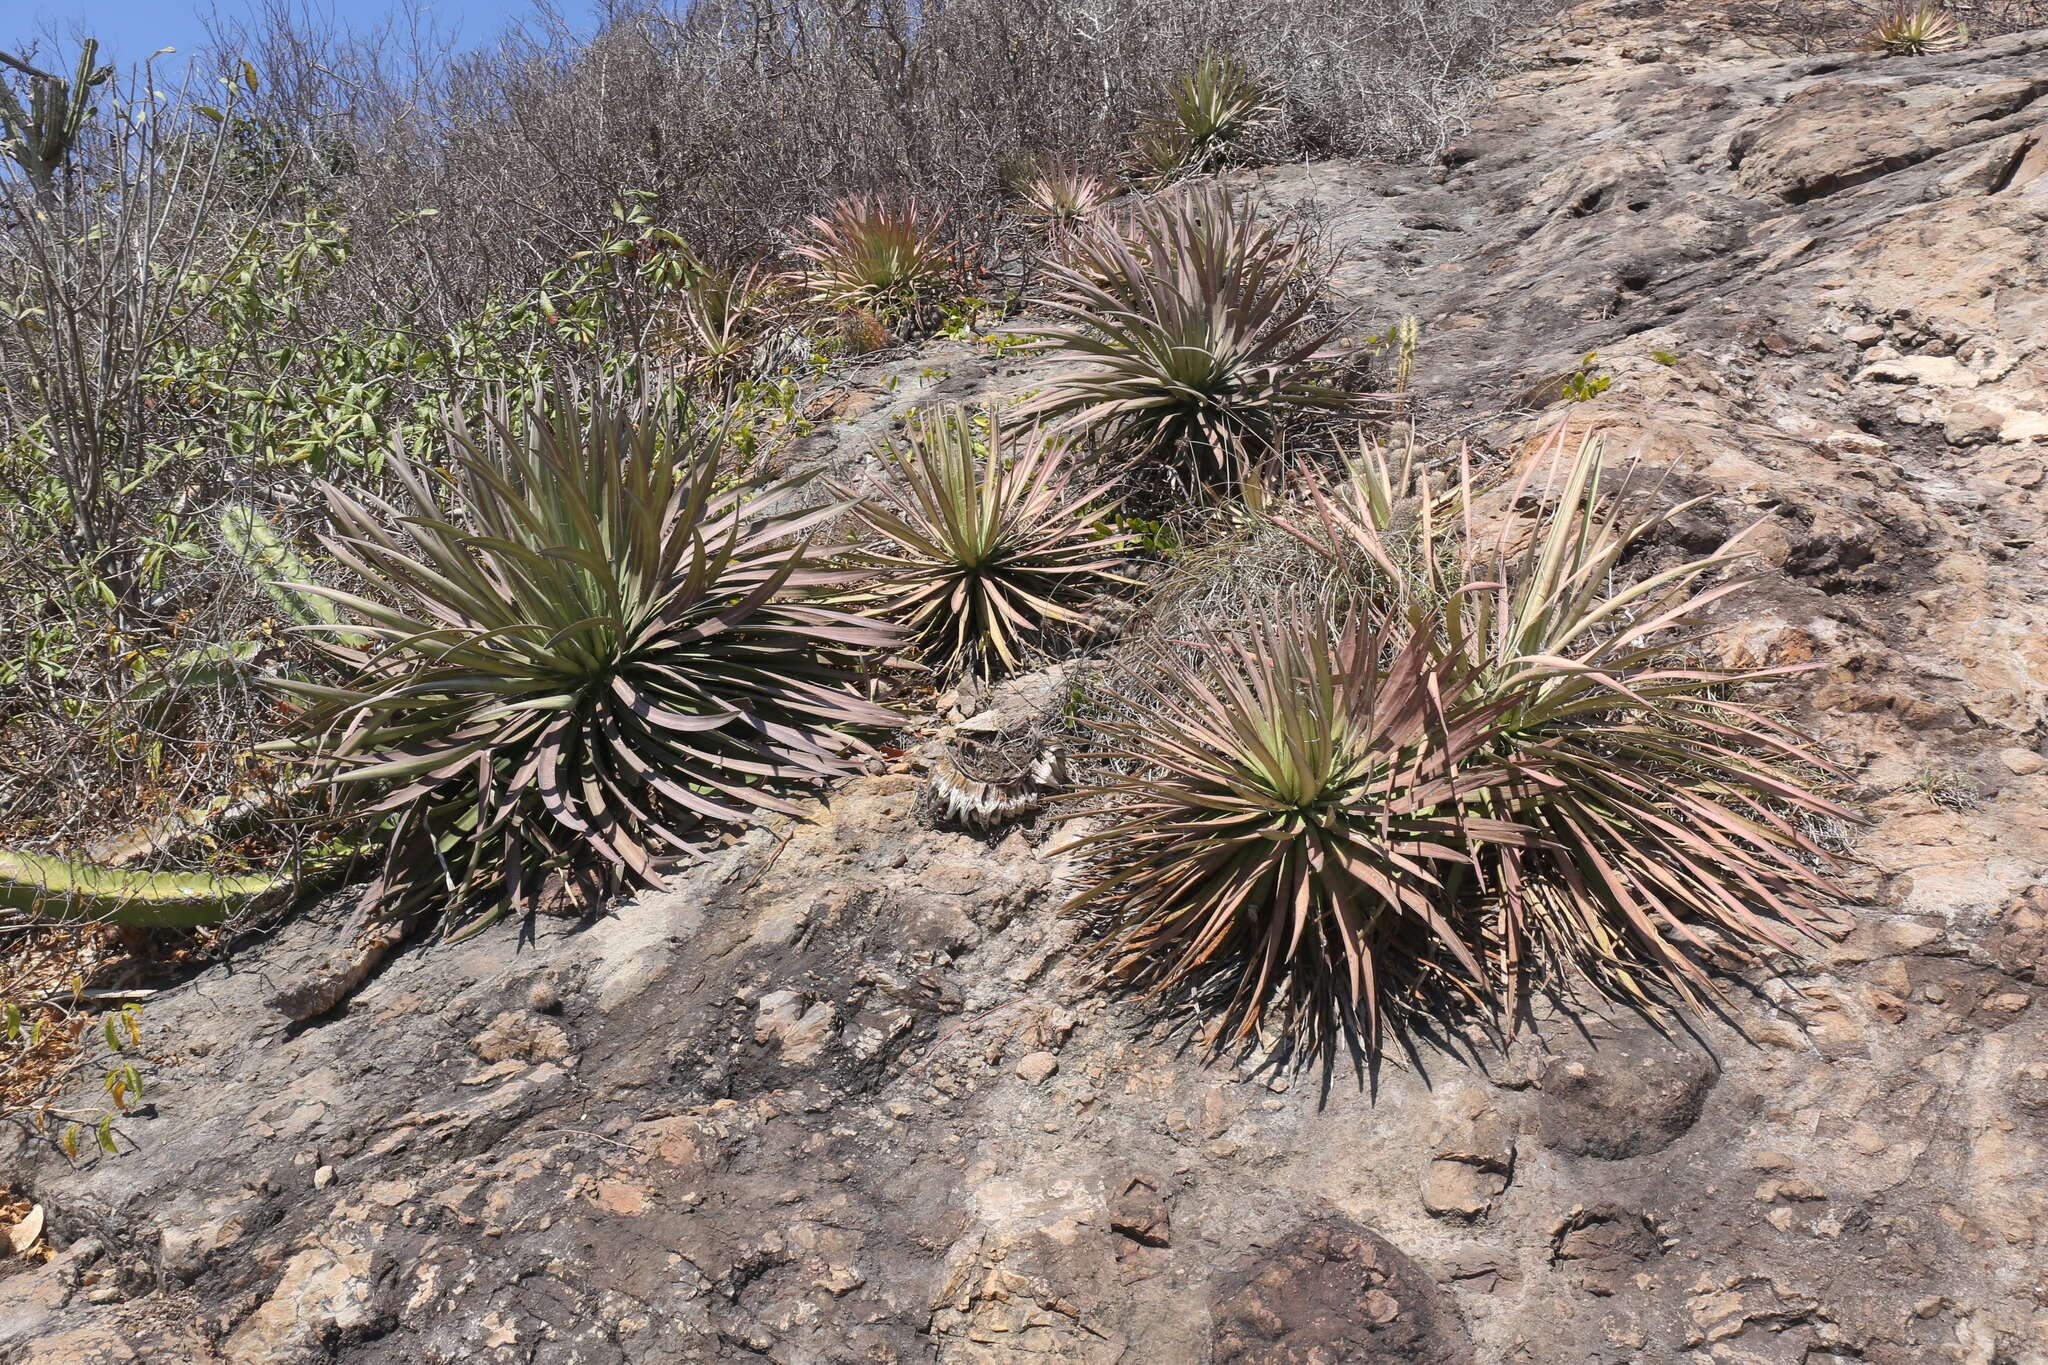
(580, 588)
(978, 550)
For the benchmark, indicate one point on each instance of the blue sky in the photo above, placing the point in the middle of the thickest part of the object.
(130, 30)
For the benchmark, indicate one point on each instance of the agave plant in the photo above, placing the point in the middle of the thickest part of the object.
(720, 316)
(1376, 519)
(1162, 153)
(1669, 802)
(589, 647)
(980, 553)
(1290, 809)
(1213, 106)
(1915, 31)
(878, 255)
(1059, 199)
(1192, 336)
(1665, 802)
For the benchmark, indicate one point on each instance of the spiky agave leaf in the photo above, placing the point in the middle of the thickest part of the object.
(1192, 337)
(588, 648)
(721, 316)
(1060, 198)
(979, 553)
(1915, 31)
(880, 255)
(1665, 802)
(1290, 809)
(1215, 104)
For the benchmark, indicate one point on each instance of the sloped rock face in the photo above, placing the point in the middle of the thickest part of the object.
(842, 1096)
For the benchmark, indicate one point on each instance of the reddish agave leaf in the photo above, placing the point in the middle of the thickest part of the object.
(603, 660)
(975, 553)
(1270, 848)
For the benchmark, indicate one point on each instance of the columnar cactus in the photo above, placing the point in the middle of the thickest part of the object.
(41, 137)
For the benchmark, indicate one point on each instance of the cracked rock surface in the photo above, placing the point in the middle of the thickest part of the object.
(841, 1094)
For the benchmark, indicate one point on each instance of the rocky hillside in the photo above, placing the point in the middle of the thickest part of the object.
(839, 1097)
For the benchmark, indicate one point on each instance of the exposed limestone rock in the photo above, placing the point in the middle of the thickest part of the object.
(1474, 1159)
(1603, 1248)
(1635, 1093)
(1331, 1291)
(325, 1292)
(523, 1035)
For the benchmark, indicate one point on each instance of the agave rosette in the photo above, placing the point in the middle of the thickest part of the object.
(720, 318)
(982, 543)
(1290, 809)
(589, 648)
(1916, 31)
(1062, 198)
(1190, 337)
(883, 256)
(1675, 818)
(1215, 104)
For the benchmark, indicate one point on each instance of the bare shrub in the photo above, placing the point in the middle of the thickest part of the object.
(741, 117)
(131, 633)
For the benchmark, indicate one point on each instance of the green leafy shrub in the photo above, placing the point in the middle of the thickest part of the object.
(46, 1043)
(875, 255)
(977, 554)
(1191, 338)
(591, 645)
(1586, 382)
